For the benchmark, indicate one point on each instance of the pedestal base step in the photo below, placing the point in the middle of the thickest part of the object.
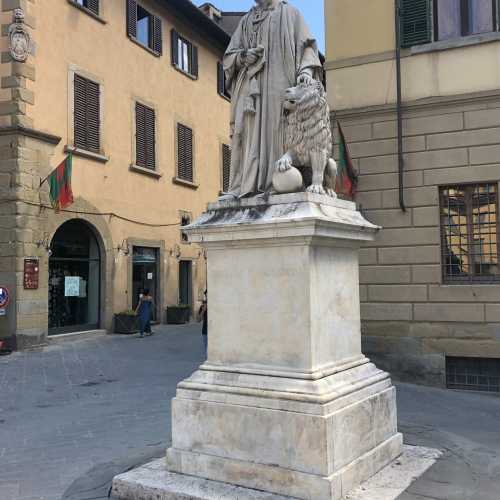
(153, 482)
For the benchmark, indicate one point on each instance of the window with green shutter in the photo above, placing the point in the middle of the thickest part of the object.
(416, 22)
(86, 119)
(184, 153)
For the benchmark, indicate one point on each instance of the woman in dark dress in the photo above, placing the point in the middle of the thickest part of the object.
(144, 310)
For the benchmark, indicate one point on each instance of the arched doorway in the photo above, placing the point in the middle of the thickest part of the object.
(74, 279)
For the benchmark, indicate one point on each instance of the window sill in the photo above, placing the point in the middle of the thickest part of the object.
(465, 41)
(183, 182)
(86, 154)
(185, 73)
(145, 171)
(145, 47)
(87, 11)
(227, 98)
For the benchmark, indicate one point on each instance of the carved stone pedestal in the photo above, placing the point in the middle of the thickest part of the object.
(286, 402)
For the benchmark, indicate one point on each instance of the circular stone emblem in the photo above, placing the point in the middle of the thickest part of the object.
(4, 297)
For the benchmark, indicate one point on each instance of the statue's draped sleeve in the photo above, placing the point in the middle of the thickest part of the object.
(232, 57)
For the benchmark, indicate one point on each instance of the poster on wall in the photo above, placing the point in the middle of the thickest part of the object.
(72, 286)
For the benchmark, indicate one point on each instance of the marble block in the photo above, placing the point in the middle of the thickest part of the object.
(286, 402)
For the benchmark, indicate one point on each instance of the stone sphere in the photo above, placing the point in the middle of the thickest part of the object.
(287, 182)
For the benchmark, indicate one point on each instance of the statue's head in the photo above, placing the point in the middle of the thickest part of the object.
(264, 3)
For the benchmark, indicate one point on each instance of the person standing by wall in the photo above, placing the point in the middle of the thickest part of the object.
(143, 310)
(203, 317)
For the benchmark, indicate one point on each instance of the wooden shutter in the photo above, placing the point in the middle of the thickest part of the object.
(145, 136)
(157, 36)
(416, 22)
(132, 18)
(194, 60)
(93, 6)
(184, 153)
(174, 36)
(226, 167)
(86, 114)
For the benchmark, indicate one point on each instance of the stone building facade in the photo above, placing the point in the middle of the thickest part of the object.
(430, 283)
(131, 90)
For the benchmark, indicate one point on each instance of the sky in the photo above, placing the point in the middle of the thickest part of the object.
(311, 9)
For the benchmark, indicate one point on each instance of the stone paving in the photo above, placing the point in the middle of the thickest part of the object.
(81, 411)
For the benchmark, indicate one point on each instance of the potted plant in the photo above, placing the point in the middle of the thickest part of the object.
(126, 322)
(178, 315)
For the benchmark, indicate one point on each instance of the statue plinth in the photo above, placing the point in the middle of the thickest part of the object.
(286, 402)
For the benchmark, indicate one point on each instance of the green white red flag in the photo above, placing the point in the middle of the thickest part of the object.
(347, 178)
(59, 181)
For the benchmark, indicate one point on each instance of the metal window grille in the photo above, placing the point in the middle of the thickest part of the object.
(145, 140)
(226, 167)
(184, 153)
(473, 374)
(87, 121)
(469, 233)
(185, 221)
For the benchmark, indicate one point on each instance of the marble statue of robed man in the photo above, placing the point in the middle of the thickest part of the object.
(271, 51)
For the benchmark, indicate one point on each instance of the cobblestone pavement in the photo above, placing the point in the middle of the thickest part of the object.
(77, 413)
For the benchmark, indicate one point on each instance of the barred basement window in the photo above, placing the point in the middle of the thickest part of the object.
(145, 139)
(184, 55)
(144, 27)
(226, 167)
(86, 114)
(92, 5)
(469, 233)
(473, 374)
(184, 153)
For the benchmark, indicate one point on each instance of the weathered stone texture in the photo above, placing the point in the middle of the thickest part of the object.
(445, 144)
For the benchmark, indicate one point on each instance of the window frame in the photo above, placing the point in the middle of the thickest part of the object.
(193, 60)
(134, 166)
(177, 179)
(471, 278)
(95, 15)
(221, 82)
(155, 26)
(434, 43)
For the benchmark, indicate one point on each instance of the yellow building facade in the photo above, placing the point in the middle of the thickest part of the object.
(430, 284)
(130, 91)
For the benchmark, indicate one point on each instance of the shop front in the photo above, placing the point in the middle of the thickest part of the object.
(74, 279)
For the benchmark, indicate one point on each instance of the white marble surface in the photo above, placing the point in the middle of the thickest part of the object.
(153, 482)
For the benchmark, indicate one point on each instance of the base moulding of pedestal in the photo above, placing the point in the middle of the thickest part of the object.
(153, 482)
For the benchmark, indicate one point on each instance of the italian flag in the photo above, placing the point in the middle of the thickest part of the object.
(59, 181)
(347, 178)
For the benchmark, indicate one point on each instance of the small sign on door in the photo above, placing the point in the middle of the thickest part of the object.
(150, 276)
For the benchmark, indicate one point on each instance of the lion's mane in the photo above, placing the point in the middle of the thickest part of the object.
(307, 128)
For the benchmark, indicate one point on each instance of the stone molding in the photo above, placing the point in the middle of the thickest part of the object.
(29, 132)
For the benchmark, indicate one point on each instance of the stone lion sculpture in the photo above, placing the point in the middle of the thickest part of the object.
(308, 136)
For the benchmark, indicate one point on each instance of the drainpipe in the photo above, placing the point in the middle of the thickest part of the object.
(397, 9)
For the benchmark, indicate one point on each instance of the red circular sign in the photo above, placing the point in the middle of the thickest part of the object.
(4, 297)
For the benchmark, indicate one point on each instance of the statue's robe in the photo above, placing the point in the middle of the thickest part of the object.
(257, 90)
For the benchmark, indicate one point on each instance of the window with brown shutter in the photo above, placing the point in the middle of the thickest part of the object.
(221, 82)
(92, 5)
(86, 114)
(226, 167)
(184, 153)
(145, 142)
(184, 55)
(143, 27)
